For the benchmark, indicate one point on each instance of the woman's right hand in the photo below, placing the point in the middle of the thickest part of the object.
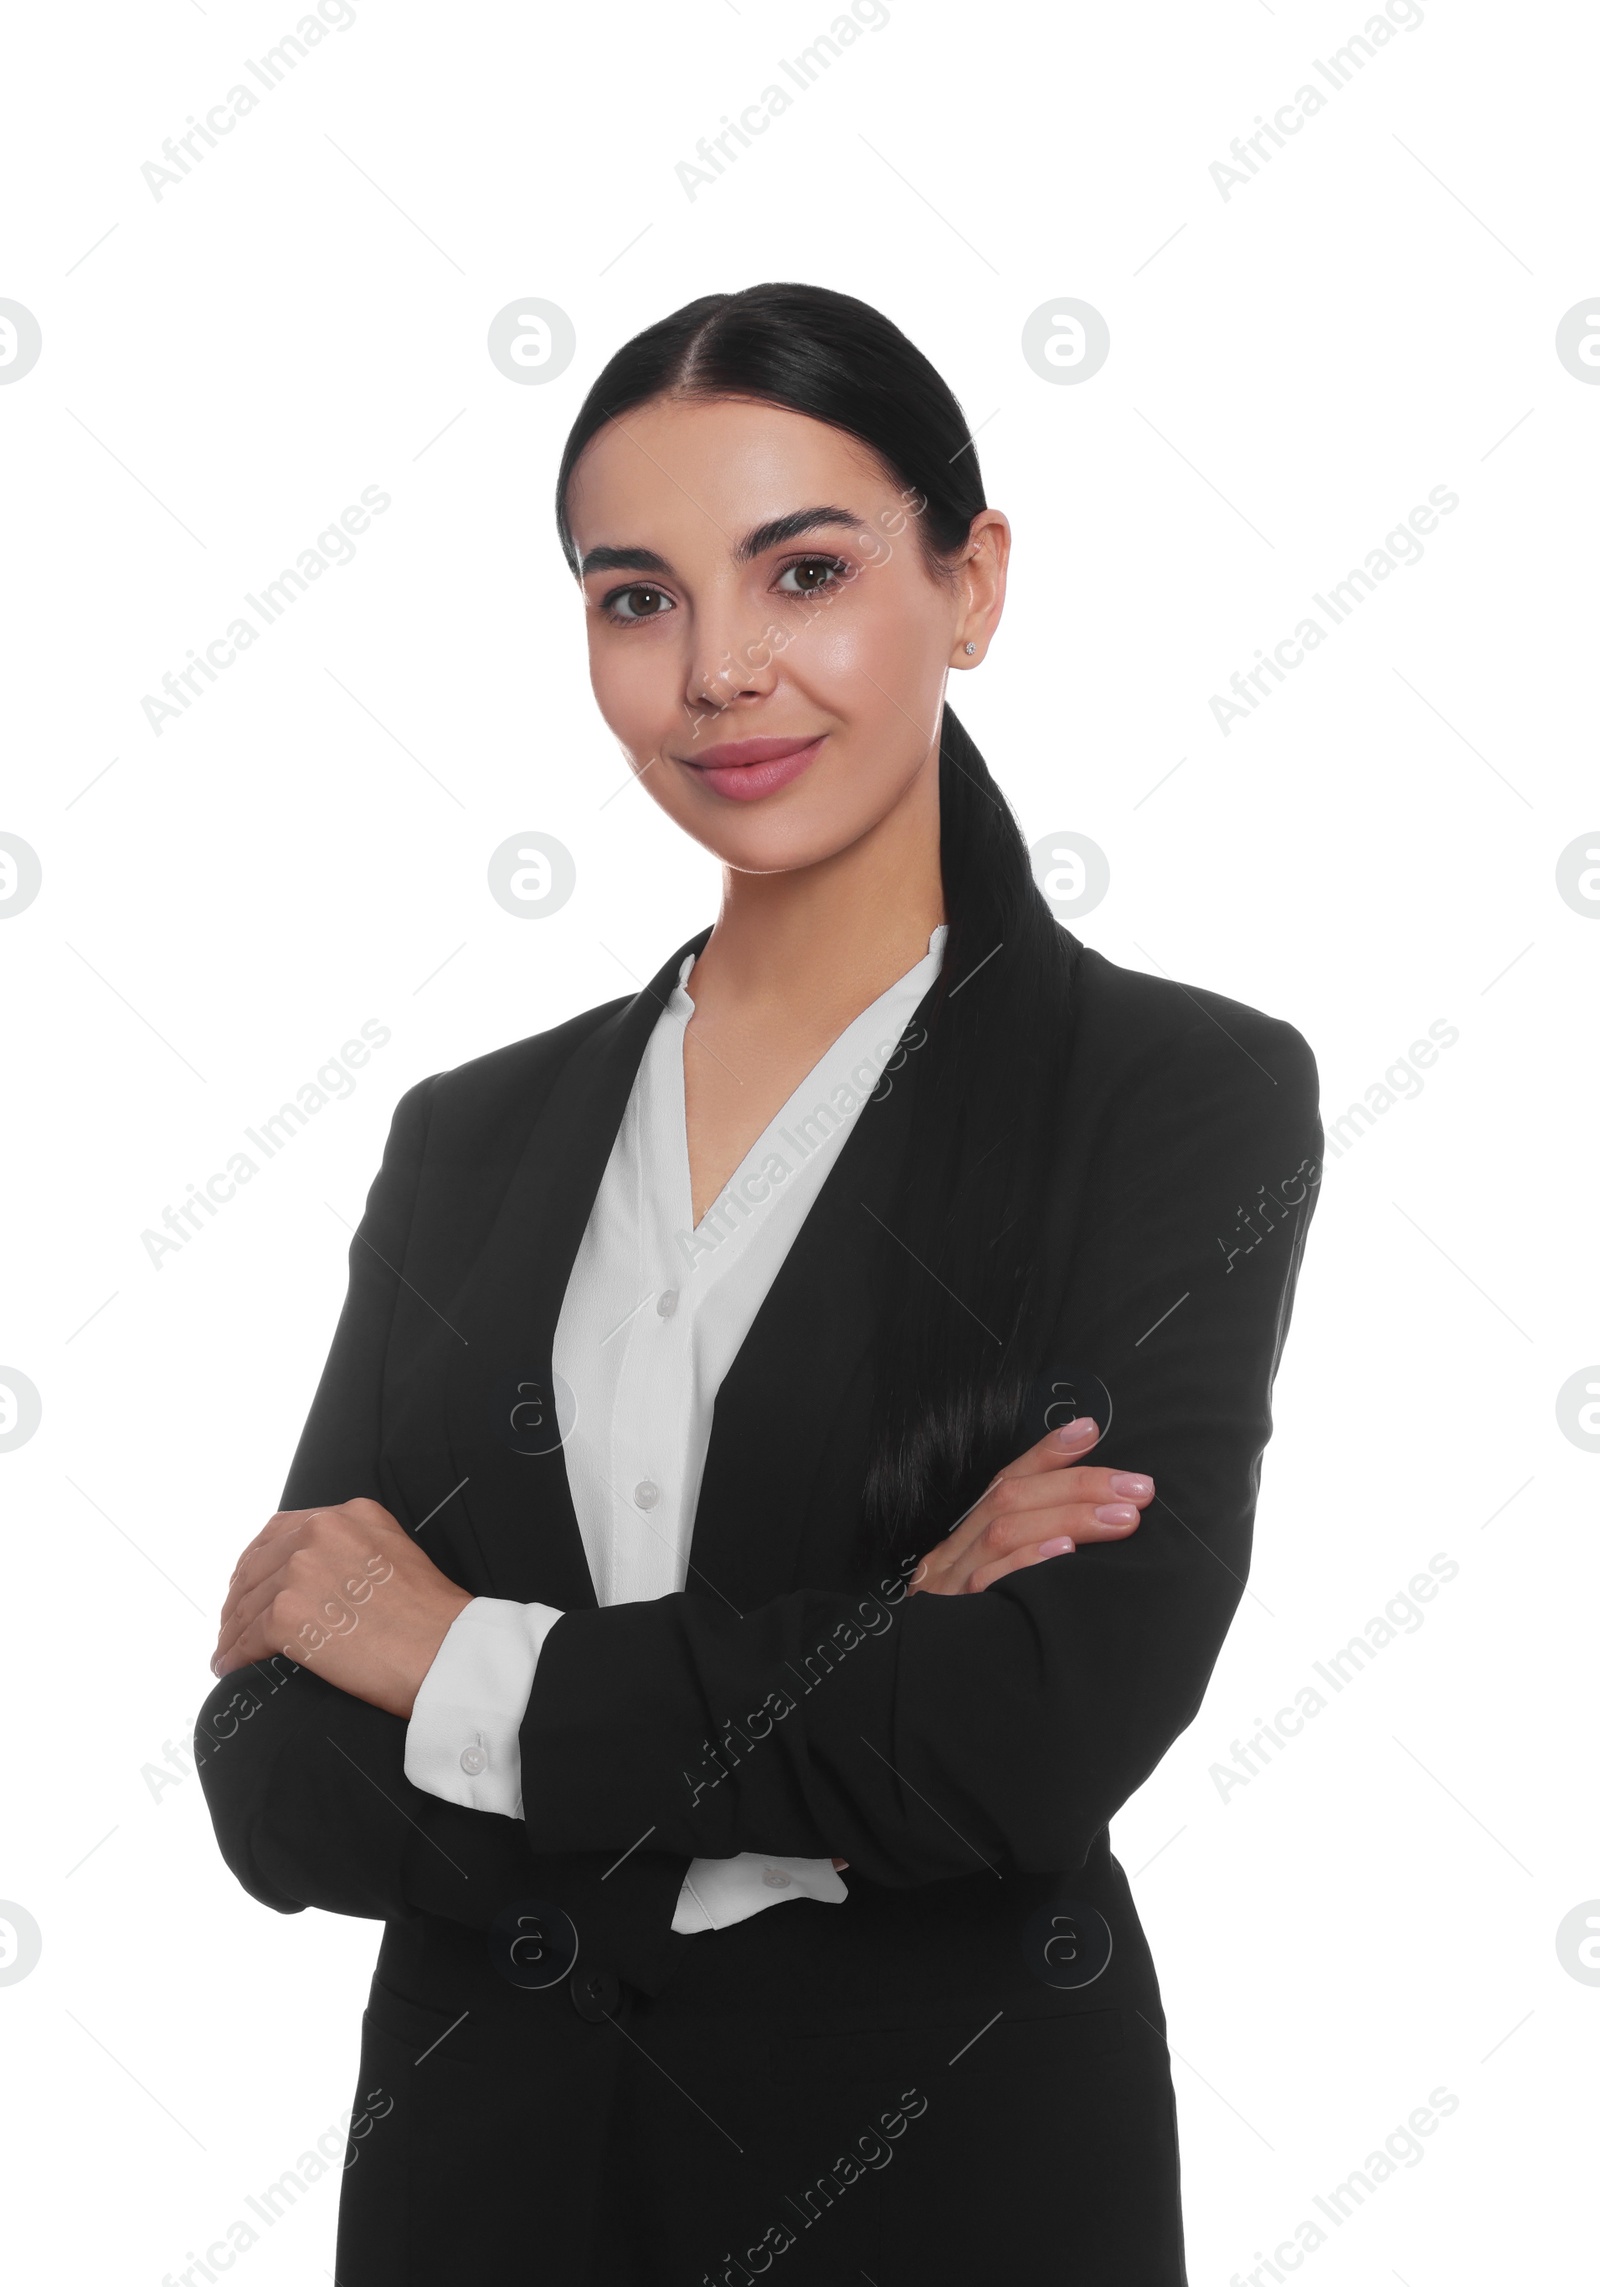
(1042, 1505)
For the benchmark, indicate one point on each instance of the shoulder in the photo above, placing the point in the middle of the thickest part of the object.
(1173, 1081)
(1132, 1028)
(494, 1098)
(510, 1073)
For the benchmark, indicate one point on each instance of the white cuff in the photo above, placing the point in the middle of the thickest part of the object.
(718, 1892)
(463, 1744)
(462, 1740)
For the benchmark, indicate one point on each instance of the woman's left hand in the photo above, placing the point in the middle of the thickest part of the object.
(346, 1592)
(1043, 1505)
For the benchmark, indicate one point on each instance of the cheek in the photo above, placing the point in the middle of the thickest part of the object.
(877, 669)
(635, 681)
(884, 697)
(872, 632)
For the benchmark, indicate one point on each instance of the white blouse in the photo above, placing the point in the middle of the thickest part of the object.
(655, 1312)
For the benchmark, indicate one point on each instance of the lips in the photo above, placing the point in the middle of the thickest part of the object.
(745, 769)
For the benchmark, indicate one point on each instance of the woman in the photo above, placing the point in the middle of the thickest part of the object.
(700, 1356)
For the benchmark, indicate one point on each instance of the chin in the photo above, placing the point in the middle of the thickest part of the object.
(774, 845)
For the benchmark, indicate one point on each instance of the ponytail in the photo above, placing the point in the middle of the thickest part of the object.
(960, 1307)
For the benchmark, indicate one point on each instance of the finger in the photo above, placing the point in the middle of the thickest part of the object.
(267, 1633)
(1081, 1521)
(329, 1612)
(1089, 1498)
(261, 1563)
(285, 1615)
(987, 1574)
(361, 1513)
(245, 1611)
(1057, 1448)
(256, 1642)
(1015, 1496)
(333, 1571)
(1112, 1521)
(341, 1528)
(280, 1522)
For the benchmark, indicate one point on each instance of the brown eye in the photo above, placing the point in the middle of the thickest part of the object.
(814, 575)
(651, 608)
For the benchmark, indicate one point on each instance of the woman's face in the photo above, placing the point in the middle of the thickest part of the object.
(765, 639)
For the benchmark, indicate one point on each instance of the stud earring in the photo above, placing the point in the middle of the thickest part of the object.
(971, 647)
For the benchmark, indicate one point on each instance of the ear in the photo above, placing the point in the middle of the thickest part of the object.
(983, 578)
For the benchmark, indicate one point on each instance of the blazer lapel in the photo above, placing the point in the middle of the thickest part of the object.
(788, 1451)
(506, 1419)
(808, 1342)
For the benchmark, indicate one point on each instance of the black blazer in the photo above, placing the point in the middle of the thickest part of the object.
(964, 1754)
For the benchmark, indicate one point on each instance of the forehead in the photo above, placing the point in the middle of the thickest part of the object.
(711, 468)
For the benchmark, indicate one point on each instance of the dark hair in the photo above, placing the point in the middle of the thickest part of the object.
(960, 1320)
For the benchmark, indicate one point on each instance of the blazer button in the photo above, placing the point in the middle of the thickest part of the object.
(595, 1993)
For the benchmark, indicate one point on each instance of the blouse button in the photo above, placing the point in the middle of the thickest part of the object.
(646, 1494)
(666, 1302)
(776, 1879)
(474, 1760)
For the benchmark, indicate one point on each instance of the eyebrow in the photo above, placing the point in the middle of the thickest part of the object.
(755, 542)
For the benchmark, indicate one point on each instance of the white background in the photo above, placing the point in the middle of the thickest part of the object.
(1292, 369)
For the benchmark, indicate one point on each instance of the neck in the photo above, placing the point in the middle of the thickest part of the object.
(821, 942)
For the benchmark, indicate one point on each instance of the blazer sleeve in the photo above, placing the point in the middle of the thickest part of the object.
(306, 1784)
(928, 1737)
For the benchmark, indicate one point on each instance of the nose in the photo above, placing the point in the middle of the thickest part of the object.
(734, 655)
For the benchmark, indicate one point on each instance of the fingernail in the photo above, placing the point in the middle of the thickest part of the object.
(1117, 1513)
(1136, 1488)
(1062, 1547)
(1084, 1426)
